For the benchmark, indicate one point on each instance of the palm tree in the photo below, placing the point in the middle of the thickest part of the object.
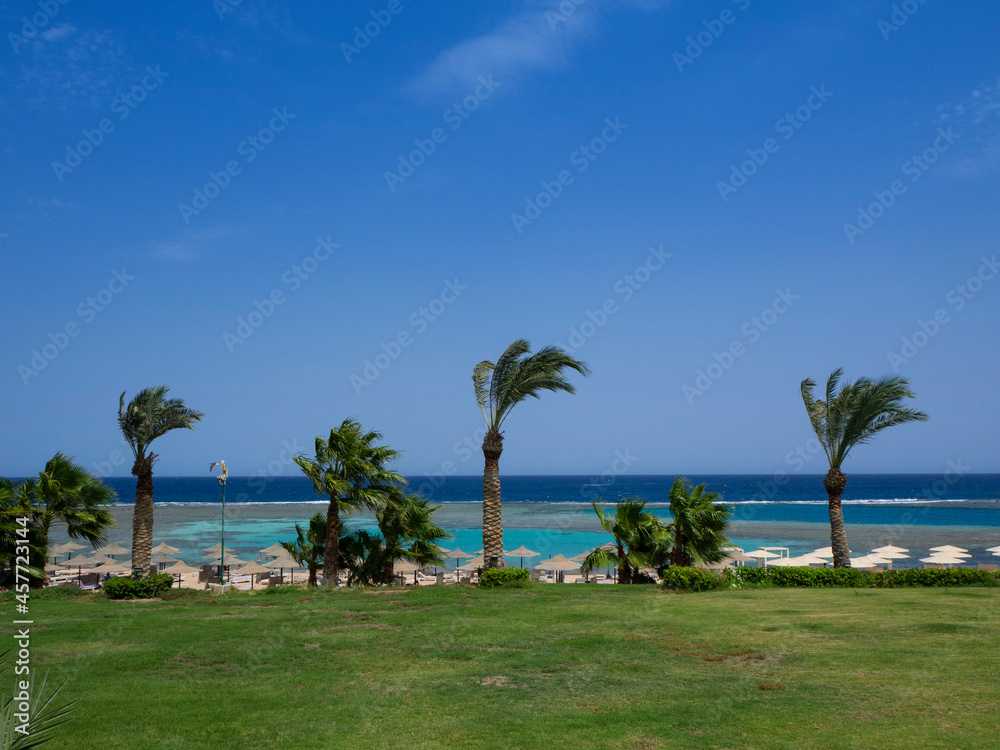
(148, 416)
(309, 546)
(351, 469)
(698, 526)
(848, 418)
(63, 492)
(15, 505)
(639, 540)
(362, 554)
(409, 533)
(499, 388)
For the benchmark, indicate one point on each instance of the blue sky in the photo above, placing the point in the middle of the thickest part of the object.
(256, 203)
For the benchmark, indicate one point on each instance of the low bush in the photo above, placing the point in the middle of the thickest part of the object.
(933, 577)
(853, 578)
(127, 588)
(692, 579)
(492, 577)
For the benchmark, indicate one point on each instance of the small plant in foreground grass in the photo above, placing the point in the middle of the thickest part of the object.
(27, 720)
(494, 577)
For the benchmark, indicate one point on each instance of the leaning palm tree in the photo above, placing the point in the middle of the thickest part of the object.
(351, 469)
(66, 492)
(697, 530)
(639, 540)
(148, 416)
(852, 417)
(499, 388)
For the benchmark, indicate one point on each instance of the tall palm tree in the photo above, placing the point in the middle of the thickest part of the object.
(409, 533)
(309, 546)
(639, 540)
(148, 416)
(697, 530)
(852, 417)
(351, 469)
(499, 388)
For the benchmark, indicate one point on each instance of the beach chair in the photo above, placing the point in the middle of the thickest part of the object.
(90, 581)
(933, 566)
(988, 566)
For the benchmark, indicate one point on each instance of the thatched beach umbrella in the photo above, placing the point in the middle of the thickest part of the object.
(165, 549)
(252, 569)
(738, 556)
(456, 555)
(556, 565)
(763, 555)
(215, 550)
(890, 555)
(180, 569)
(810, 559)
(66, 548)
(472, 564)
(952, 550)
(868, 561)
(890, 548)
(281, 562)
(111, 550)
(943, 559)
(405, 566)
(521, 552)
(275, 550)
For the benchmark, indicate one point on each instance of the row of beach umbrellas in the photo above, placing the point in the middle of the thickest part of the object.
(279, 559)
(946, 554)
(103, 559)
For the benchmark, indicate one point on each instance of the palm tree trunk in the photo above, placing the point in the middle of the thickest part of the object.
(142, 517)
(389, 573)
(331, 552)
(492, 521)
(834, 482)
(312, 575)
(624, 569)
(678, 557)
(42, 554)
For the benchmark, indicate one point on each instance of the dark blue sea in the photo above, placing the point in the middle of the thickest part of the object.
(936, 499)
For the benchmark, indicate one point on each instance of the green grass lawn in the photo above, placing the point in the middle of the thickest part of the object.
(571, 666)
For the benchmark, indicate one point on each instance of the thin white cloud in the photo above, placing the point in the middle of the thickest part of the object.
(61, 31)
(539, 38)
(64, 66)
(977, 122)
(194, 243)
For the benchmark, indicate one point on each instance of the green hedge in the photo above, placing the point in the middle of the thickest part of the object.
(492, 577)
(126, 588)
(852, 578)
(692, 579)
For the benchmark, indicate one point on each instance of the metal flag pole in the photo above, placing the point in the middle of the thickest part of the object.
(222, 547)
